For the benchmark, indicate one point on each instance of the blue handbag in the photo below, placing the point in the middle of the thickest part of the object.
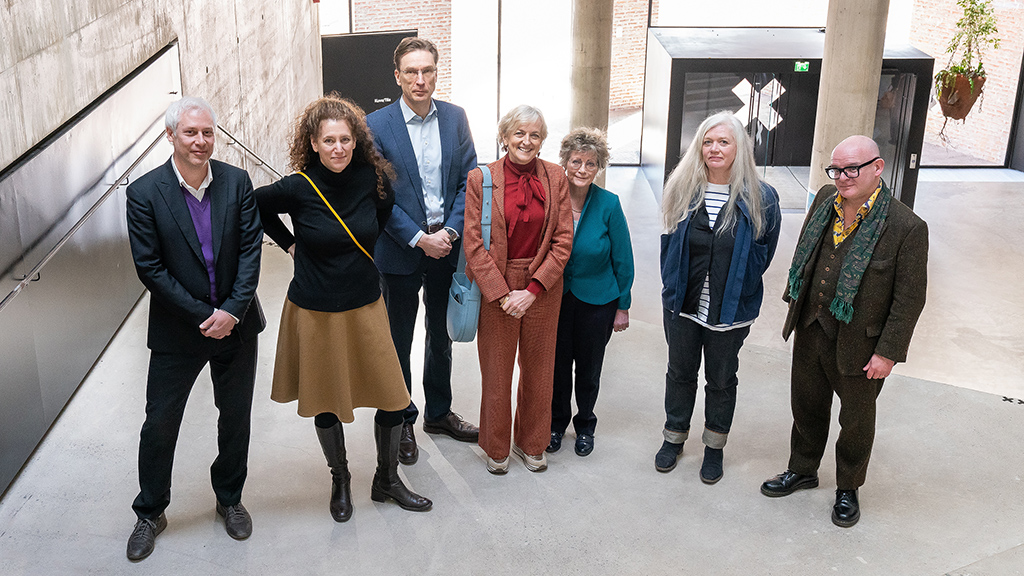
(464, 296)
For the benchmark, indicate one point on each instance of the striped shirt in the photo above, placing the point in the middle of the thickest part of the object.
(715, 198)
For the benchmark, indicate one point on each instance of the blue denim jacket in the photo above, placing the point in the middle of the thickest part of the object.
(751, 256)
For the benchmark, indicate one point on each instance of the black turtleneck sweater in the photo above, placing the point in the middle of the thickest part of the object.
(331, 273)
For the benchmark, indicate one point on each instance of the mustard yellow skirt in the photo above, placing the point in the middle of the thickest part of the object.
(337, 361)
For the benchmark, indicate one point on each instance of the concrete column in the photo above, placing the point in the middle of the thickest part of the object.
(851, 69)
(591, 64)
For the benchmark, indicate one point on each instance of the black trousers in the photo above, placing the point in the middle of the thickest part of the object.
(686, 341)
(402, 299)
(815, 377)
(583, 334)
(171, 377)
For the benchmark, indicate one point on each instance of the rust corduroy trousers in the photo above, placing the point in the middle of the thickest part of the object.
(498, 337)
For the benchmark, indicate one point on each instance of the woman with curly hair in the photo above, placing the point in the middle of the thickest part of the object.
(334, 348)
(596, 290)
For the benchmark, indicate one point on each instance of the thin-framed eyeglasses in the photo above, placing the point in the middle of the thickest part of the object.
(851, 172)
(411, 74)
(576, 164)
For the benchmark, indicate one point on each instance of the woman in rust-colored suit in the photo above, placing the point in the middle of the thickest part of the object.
(520, 279)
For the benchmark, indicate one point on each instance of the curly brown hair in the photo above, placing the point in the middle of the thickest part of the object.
(585, 139)
(334, 107)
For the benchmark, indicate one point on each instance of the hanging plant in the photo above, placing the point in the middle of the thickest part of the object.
(960, 83)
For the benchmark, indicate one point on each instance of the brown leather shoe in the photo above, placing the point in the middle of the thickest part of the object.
(453, 425)
(408, 452)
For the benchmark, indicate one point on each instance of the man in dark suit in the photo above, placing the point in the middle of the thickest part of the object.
(429, 144)
(856, 288)
(196, 240)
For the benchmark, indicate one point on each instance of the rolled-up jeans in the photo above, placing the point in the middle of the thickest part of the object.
(686, 341)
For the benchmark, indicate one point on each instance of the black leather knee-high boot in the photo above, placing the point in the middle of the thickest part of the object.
(386, 482)
(332, 440)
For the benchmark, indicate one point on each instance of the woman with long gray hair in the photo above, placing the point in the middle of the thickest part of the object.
(721, 228)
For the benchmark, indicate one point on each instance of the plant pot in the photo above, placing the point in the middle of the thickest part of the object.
(956, 101)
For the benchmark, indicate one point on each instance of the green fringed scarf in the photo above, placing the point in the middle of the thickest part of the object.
(856, 260)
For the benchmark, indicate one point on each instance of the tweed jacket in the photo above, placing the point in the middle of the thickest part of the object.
(891, 294)
(487, 268)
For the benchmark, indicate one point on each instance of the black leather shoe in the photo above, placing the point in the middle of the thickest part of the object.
(584, 444)
(666, 458)
(556, 442)
(408, 452)
(237, 521)
(788, 482)
(453, 425)
(143, 538)
(846, 511)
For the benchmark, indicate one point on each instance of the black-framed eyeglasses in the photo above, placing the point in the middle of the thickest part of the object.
(851, 172)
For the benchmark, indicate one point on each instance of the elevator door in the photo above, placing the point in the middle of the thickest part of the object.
(892, 126)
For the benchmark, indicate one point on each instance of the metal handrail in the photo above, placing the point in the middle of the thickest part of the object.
(34, 274)
(261, 161)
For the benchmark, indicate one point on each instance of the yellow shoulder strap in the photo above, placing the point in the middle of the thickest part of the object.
(331, 208)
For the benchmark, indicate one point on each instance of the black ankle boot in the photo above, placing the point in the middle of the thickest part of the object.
(386, 482)
(332, 440)
(711, 468)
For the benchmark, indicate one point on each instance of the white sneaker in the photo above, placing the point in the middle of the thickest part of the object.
(498, 467)
(533, 463)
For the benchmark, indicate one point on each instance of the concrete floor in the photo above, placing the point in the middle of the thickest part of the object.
(943, 491)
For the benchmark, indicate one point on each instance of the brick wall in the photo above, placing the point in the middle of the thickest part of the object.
(629, 47)
(432, 18)
(986, 130)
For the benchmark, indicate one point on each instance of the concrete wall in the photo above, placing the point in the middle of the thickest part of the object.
(256, 61)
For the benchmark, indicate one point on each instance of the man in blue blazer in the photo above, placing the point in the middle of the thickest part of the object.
(429, 144)
(196, 240)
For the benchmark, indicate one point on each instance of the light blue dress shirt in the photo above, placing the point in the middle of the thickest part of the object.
(425, 136)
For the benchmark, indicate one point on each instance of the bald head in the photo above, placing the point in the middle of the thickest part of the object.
(858, 145)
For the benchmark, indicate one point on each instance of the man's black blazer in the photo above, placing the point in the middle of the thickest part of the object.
(170, 263)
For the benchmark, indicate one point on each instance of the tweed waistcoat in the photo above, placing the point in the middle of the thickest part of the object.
(822, 290)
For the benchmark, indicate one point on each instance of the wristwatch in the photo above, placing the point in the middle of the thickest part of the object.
(452, 234)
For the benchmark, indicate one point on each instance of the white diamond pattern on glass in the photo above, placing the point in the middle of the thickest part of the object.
(762, 102)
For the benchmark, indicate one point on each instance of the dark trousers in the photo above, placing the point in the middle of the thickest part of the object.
(171, 377)
(402, 300)
(686, 340)
(583, 334)
(815, 377)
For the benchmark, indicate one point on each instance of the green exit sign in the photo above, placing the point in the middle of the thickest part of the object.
(801, 66)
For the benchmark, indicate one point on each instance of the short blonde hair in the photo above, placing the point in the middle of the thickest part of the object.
(517, 117)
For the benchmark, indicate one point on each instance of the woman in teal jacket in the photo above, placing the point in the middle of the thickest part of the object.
(595, 297)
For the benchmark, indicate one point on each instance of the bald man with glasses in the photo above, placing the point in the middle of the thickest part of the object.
(856, 288)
